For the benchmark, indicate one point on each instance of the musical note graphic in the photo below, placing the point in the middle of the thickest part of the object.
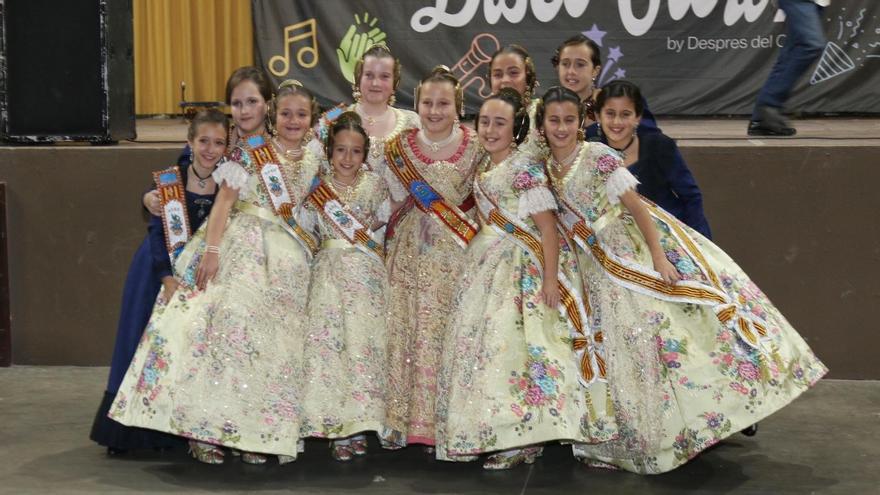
(289, 39)
(480, 54)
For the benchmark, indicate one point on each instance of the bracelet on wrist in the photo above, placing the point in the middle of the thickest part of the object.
(212, 249)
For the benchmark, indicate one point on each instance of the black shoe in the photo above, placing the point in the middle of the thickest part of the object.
(759, 129)
(750, 431)
(770, 122)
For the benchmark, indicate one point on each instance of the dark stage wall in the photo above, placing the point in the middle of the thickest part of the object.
(800, 220)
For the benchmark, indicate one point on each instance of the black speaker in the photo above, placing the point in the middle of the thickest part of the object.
(66, 71)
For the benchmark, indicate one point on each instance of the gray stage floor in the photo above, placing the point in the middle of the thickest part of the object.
(826, 442)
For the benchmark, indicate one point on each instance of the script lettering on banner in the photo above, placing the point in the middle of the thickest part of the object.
(428, 18)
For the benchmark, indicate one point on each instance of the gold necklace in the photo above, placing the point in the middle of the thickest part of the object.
(558, 165)
(370, 120)
(346, 191)
(292, 154)
(490, 165)
(436, 145)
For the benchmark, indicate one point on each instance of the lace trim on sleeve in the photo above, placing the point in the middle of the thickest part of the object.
(316, 147)
(619, 182)
(398, 192)
(535, 200)
(232, 173)
(307, 218)
(384, 211)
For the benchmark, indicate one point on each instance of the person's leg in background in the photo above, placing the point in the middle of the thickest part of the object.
(803, 45)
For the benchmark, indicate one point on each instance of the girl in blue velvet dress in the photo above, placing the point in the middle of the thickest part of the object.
(150, 273)
(651, 156)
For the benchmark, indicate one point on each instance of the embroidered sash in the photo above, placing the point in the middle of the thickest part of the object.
(425, 197)
(172, 198)
(639, 278)
(276, 187)
(352, 229)
(584, 344)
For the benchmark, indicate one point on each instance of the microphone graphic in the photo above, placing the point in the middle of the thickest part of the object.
(480, 54)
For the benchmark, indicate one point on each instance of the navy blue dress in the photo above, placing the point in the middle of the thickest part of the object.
(142, 285)
(665, 178)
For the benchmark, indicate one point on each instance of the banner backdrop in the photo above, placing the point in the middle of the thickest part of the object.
(690, 57)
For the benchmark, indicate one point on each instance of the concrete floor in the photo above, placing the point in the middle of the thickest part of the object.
(827, 442)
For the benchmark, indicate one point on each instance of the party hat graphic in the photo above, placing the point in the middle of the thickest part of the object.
(833, 63)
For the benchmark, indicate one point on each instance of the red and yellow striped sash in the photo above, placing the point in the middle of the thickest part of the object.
(425, 197)
(572, 303)
(344, 222)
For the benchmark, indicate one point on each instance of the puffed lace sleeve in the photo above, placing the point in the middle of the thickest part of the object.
(232, 173)
(619, 182)
(536, 200)
(383, 213)
(381, 200)
(307, 218)
(530, 184)
(618, 179)
(398, 192)
(316, 146)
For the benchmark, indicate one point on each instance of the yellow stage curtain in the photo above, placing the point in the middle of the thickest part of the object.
(197, 41)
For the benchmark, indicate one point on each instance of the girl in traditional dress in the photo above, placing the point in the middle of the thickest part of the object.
(519, 368)
(150, 272)
(249, 115)
(578, 65)
(431, 171)
(377, 76)
(652, 157)
(696, 352)
(219, 363)
(513, 67)
(344, 365)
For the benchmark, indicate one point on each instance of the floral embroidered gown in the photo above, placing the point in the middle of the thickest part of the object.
(509, 377)
(681, 379)
(144, 281)
(221, 365)
(424, 261)
(344, 364)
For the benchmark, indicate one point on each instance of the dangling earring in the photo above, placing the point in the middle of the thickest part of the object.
(271, 128)
(580, 135)
(635, 131)
(392, 100)
(309, 135)
(512, 144)
(456, 123)
(191, 157)
(356, 93)
(599, 130)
